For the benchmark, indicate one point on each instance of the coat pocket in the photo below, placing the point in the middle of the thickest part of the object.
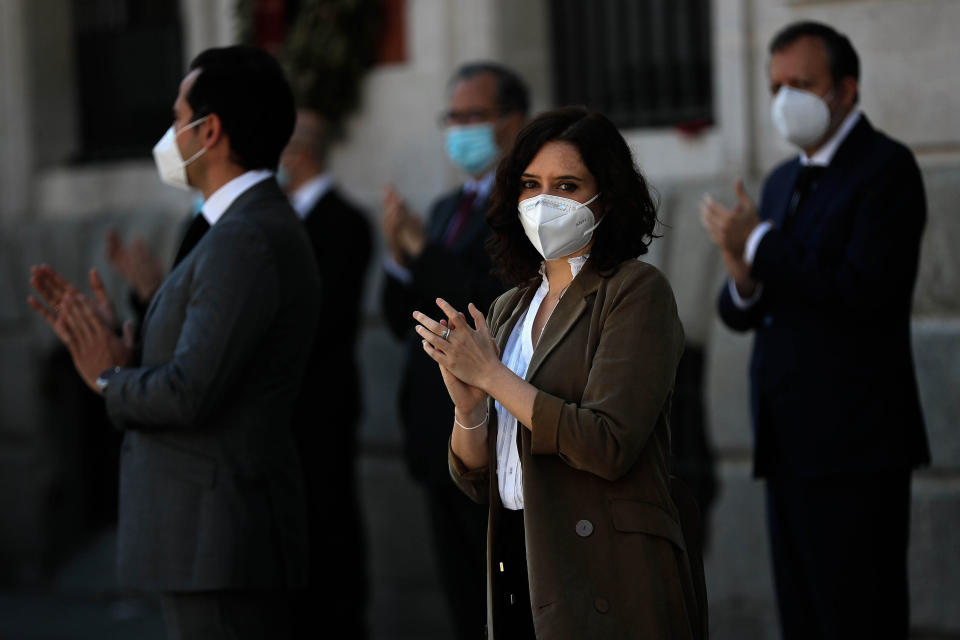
(632, 516)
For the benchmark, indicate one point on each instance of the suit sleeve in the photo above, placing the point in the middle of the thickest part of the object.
(879, 258)
(344, 296)
(458, 277)
(232, 302)
(735, 317)
(631, 376)
(397, 300)
(462, 278)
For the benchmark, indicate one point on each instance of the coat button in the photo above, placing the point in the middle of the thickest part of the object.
(584, 528)
(601, 605)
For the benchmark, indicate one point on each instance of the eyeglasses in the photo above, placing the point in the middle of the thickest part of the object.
(450, 118)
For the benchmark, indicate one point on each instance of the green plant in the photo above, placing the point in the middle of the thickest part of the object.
(329, 47)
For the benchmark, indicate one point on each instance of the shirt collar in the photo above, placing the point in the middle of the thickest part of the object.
(481, 186)
(309, 193)
(221, 199)
(824, 154)
(576, 266)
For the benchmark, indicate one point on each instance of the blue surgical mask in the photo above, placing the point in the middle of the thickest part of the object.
(471, 147)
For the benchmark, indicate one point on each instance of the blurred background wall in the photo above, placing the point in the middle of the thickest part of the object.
(85, 91)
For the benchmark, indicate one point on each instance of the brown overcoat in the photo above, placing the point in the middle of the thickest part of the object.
(605, 552)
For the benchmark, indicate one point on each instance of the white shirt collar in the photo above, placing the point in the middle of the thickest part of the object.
(309, 193)
(481, 186)
(576, 266)
(824, 154)
(221, 199)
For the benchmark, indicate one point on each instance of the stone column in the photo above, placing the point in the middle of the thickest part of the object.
(16, 154)
(207, 24)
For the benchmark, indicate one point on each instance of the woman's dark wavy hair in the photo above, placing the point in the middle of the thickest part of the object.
(630, 212)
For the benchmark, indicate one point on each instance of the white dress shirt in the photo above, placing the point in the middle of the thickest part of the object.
(517, 355)
(822, 158)
(307, 195)
(222, 198)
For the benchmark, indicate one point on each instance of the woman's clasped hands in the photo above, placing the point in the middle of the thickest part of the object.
(468, 356)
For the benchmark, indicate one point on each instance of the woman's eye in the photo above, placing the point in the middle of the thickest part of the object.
(528, 184)
(567, 186)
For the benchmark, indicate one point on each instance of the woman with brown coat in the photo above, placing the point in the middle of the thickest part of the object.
(562, 395)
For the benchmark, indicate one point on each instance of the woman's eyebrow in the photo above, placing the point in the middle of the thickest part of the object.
(564, 177)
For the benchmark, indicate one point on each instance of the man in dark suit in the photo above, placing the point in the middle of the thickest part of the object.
(342, 245)
(211, 510)
(824, 275)
(446, 258)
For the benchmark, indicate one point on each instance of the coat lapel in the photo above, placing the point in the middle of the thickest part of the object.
(475, 225)
(502, 333)
(834, 181)
(571, 306)
(778, 210)
(446, 209)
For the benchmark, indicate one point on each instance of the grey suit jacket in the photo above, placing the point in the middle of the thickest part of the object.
(211, 494)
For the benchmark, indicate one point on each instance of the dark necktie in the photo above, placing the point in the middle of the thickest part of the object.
(459, 220)
(806, 180)
(197, 228)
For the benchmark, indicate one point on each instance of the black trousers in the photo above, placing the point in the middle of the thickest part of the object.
(512, 613)
(227, 615)
(839, 547)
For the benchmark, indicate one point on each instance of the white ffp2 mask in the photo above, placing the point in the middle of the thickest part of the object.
(170, 164)
(800, 116)
(557, 226)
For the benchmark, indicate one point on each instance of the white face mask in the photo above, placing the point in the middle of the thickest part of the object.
(557, 226)
(800, 116)
(170, 164)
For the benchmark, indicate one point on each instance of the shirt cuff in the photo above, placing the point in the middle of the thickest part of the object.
(753, 241)
(398, 271)
(741, 302)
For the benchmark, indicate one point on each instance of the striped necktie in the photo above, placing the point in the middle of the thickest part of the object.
(459, 220)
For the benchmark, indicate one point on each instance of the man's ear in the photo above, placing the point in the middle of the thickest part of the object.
(211, 130)
(849, 90)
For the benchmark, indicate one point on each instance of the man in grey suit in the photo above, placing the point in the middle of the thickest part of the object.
(211, 510)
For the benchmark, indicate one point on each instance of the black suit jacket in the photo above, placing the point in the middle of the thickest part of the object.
(832, 377)
(342, 245)
(327, 414)
(460, 274)
(211, 494)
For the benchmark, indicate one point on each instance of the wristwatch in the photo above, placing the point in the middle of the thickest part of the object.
(104, 379)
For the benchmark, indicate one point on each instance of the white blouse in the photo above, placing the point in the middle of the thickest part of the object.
(517, 356)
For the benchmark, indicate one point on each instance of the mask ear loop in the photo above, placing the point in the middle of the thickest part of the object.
(193, 124)
(597, 223)
(187, 162)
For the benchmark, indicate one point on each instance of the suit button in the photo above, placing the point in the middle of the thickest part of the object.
(584, 528)
(601, 605)
(767, 320)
